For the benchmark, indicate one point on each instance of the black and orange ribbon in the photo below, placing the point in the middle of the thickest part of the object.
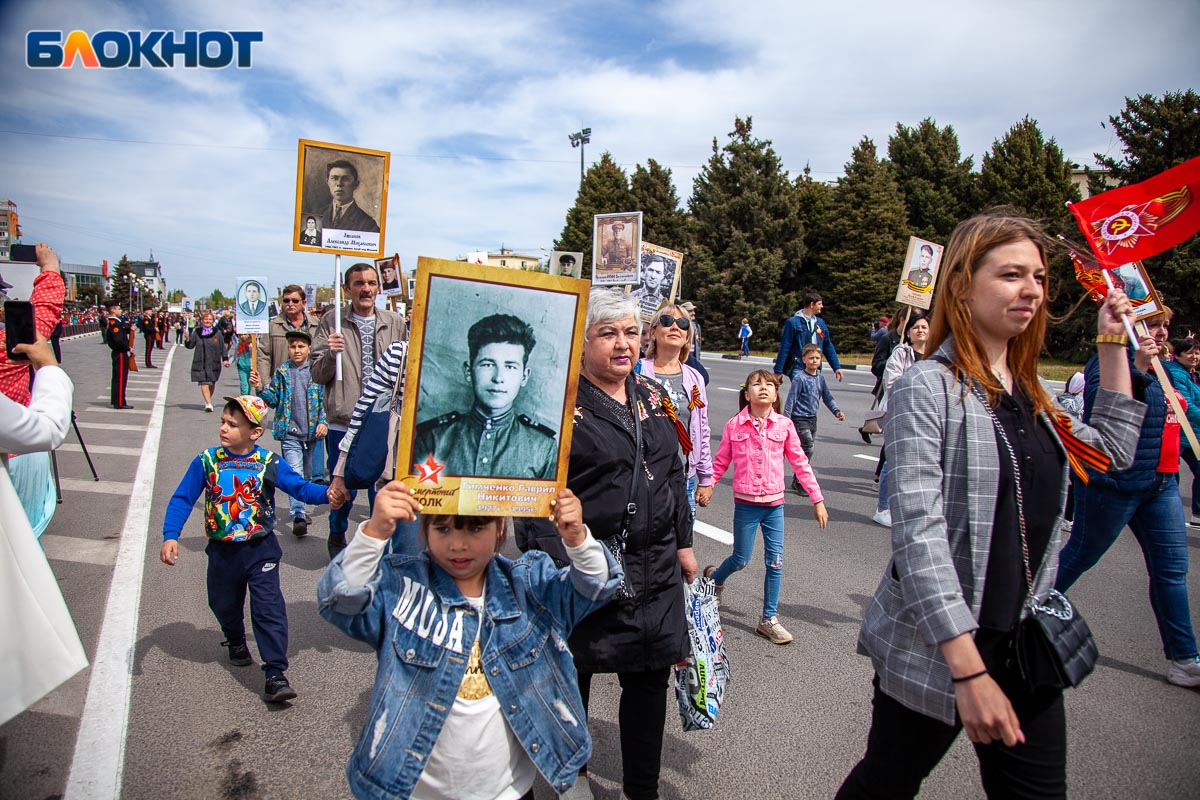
(695, 402)
(685, 439)
(1080, 455)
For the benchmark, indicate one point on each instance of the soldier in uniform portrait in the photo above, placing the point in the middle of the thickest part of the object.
(491, 439)
(921, 276)
(116, 336)
(616, 251)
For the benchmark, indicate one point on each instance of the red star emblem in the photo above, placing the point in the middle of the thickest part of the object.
(428, 471)
(1123, 228)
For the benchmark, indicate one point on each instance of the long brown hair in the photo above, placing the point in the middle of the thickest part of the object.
(970, 243)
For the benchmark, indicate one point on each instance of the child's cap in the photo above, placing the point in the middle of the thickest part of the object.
(253, 407)
(1075, 385)
(299, 333)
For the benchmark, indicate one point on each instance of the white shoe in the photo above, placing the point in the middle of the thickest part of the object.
(1185, 672)
(883, 518)
(208, 407)
(580, 790)
(1194, 521)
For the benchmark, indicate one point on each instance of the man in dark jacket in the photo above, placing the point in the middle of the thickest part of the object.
(806, 327)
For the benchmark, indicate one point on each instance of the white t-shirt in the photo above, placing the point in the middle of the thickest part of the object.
(477, 755)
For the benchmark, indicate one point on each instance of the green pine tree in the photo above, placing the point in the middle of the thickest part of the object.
(120, 285)
(816, 202)
(605, 190)
(868, 232)
(1026, 172)
(745, 230)
(663, 220)
(936, 181)
(1157, 134)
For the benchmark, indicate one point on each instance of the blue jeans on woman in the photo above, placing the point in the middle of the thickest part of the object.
(1155, 516)
(882, 503)
(747, 519)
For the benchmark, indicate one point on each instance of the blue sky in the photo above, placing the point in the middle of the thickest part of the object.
(475, 101)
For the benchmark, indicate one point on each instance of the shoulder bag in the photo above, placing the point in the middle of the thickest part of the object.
(616, 543)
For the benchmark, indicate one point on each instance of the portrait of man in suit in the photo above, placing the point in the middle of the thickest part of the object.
(251, 302)
(343, 212)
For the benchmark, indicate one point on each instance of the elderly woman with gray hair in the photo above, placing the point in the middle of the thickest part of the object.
(626, 470)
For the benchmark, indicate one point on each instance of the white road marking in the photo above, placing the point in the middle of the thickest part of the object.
(727, 389)
(116, 410)
(109, 426)
(865, 457)
(98, 763)
(103, 449)
(866, 385)
(712, 532)
(100, 487)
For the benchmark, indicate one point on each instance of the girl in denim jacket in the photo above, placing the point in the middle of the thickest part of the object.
(476, 690)
(757, 442)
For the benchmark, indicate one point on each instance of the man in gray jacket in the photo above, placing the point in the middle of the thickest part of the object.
(366, 331)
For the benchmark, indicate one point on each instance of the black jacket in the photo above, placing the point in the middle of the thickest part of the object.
(648, 631)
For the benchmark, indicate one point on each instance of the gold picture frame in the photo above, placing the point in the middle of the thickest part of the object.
(355, 226)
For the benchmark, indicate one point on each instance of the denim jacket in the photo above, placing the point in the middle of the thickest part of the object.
(422, 628)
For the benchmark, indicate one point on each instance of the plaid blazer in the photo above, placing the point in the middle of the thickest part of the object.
(944, 467)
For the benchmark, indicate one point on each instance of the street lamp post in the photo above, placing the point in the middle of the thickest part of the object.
(579, 139)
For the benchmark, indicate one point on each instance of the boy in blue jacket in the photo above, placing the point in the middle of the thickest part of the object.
(238, 480)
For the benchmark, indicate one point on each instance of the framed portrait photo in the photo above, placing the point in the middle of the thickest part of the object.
(490, 387)
(391, 280)
(659, 281)
(252, 306)
(566, 263)
(341, 199)
(919, 274)
(616, 248)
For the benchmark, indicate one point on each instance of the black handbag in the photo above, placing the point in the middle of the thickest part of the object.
(1054, 646)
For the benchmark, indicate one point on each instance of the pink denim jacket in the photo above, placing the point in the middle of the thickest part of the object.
(758, 459)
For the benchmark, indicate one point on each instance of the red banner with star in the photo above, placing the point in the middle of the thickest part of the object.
(1142, 220)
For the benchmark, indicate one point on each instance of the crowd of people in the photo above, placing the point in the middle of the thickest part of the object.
(486, 663)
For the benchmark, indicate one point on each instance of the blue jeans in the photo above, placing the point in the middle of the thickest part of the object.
(299, 456)
(1155, 516)
(747, 518)
(318, 467)
(882, 502)
(745, 346)
(339, 519)
(1190, 459)
(691, 490)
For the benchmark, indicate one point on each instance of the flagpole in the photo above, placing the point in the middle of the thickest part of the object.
(1133, 339)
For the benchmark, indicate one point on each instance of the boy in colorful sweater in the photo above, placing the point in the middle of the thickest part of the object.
(299, 415)
(238, 480)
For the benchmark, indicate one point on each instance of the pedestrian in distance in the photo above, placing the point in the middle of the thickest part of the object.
(299, 405)
(454, 712)
(238, 480)
(210, 354)
(1186, 380)
(916, 334)
(117, 334)
(805, 395)
(243, 358)
(978, 480)
(756, 443)
(744, 334)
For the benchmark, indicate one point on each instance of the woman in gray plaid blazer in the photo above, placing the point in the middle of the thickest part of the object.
(940, 628)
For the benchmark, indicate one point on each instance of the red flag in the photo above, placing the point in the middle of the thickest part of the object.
(1135, 222)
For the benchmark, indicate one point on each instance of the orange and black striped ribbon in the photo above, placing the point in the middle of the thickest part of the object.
(695, 402)
(1080, 455)
(685, 439)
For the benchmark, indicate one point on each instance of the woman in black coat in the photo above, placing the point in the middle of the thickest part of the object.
(209, 356)
(638, 636)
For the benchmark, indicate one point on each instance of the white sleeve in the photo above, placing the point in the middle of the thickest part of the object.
(589, 558)
(361, 558)
(44, 424)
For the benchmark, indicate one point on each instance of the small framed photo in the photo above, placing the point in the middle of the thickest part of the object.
(616, 248)
(253, 308)
(660, 279)
(566, 263)
(919, 274)
(390, 281)
(1131, 278)
(310, 295)
(341, 199)
(493, 369)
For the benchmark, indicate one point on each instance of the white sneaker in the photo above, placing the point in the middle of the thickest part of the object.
(883, 518)
(1185, 672)
(580, 790)
(1194, 521)
(208, 407)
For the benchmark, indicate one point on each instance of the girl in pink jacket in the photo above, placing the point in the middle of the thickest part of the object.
(757, 442)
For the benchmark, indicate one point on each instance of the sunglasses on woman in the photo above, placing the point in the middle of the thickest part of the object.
(666, 321)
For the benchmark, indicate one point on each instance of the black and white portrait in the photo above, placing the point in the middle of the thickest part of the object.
(390, 282)
(566, 263)
(341, 198)
(659, 281)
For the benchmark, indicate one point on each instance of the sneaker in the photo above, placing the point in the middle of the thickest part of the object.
(239, 654)
(708, 573)
(1194, 521)
(797, 488)
(278, 690)
(208, 407)
(883, 518)
(771, 629)
(299, 527)
(581, 789)
(336, 544)
(1185, 672)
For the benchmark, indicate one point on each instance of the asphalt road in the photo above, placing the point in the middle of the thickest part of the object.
(794, 722)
